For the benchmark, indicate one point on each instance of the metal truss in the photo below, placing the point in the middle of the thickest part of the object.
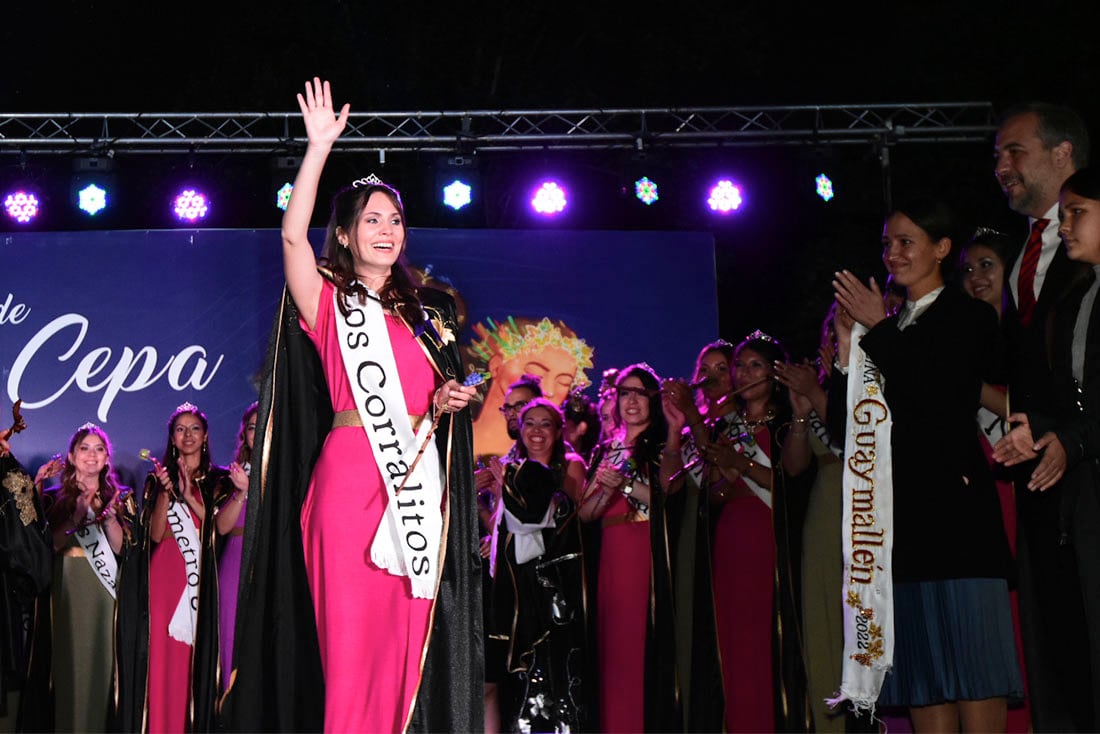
(511, 130)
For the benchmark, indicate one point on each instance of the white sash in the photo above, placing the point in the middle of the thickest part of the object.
(98, 551)
(182, 625)
(867, 535)
(408, 539)
(527, 536)
(752, 450)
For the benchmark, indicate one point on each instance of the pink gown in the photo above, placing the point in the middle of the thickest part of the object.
(371, 630)
(621, 617)
(169, 659)
(744, 578)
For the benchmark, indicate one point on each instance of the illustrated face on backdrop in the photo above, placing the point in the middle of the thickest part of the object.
(1080, 228)
(749, 367)
(188, 434)
(89, 456)
(555, 367)
(1028, 171)
(716, 366)
(539, 431)
(983, 274)
(911, 256)
(378, 236)
(633, 402)
(514, 403)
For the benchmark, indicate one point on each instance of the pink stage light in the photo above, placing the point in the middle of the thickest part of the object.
(725, 197)
(190, 205)
(549, 199)
(22, 206)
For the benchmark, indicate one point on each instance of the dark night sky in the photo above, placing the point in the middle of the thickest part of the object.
(414, 55)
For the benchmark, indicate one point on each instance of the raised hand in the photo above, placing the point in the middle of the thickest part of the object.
(864, 303)
(322, 124)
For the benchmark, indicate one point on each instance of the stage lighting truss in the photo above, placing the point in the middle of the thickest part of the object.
(515, 130)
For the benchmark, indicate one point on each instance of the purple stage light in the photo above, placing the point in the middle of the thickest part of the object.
(725, 197)
(22, 206)
(824, 187)
(645, 190)
(190, 205)
(92, 199)
(457, 194)
(282, 196)
(549, 199)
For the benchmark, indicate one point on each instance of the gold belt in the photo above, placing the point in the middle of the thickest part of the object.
(351, 418)
(236, 531)
(73, 551)
(610, 522)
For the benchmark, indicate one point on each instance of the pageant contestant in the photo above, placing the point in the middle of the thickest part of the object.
(362, 498)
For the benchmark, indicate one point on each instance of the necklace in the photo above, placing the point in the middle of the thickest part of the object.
(754, 426)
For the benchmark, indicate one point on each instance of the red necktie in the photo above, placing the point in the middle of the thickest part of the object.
(1025, 286)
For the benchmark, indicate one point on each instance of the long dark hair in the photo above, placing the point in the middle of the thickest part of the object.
(70, 489)
(721, 346)
(171, 454)
(244, 453)
(399, 292)
(772, 351)
(647, 448)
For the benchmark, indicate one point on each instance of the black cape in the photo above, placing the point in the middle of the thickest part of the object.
(276, 682)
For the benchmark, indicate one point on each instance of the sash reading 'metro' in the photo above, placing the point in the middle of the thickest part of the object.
(867, 535)
(182, 625)
(408, 539)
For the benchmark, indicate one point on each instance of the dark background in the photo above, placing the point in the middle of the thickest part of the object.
(773, 259)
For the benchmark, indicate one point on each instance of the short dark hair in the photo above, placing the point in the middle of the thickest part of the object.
(1057, 124)
(529, 382)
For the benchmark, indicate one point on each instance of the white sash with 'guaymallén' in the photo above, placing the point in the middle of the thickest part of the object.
(99, 554)
(408, 539)
(182, 625)
(867, 532)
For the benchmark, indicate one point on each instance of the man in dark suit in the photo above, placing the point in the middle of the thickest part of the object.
(1038, 146)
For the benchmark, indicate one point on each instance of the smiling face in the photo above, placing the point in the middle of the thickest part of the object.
(633, 402)
(1029, 173)
(714, 366)
(911, 256)
(188, 435)
(88, 457)
(540, 430)
(983, 274)
(1080, 228)
(377, 237)
(752, 367)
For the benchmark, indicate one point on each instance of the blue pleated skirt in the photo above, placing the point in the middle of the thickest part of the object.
(953, 641)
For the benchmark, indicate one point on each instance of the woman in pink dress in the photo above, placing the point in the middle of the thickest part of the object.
(386, 537)
(229, 518)
(169, 666)
(634, 630)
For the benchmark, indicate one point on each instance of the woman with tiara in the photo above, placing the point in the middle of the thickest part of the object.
(168, 624)
(634, 632)
(364, 602)
(229, 518)
(90, 516)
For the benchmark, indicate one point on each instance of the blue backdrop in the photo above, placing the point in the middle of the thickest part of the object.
(120, 327)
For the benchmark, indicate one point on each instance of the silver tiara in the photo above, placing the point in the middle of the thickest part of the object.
(89, 426)
(187, 408)
(370, 180)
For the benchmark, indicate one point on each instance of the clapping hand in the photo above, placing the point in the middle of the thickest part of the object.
(864, 303)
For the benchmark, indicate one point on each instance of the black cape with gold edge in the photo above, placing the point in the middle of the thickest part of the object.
(132, 618)
(276, 683)
(26, 558)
